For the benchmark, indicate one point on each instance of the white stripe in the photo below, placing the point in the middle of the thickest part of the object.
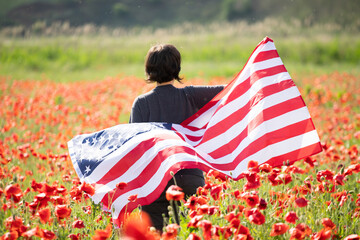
(237, 128)
(272, 62)
(200, 121)
(184, 130)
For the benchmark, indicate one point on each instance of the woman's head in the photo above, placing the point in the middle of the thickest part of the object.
(162, 63)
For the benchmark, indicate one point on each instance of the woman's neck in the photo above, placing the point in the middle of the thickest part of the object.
(165, 83)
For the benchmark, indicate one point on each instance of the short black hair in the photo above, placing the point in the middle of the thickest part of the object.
(162, 63)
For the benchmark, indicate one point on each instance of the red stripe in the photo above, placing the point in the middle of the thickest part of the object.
(267, 139)
(295, 155)
(128, 160)
(234, 118)
(193, 138)
(266, 55)
(246, 85)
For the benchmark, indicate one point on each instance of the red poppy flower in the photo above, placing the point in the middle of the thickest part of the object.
(13, 191)
(216, 191)
(174, 193)
(202, 191)
(46, 234)
(265, 167)
(324, 174)
(10, 236)
(13, 223)
(252, 200)
(323, 234)
(291, 217)
(121, 185)
(75, 193)
(251, 185)
(253, 166)
(241, 237)
(217, 175)
(255, 216)
(352, 237)
(132, 198)
(191, 202)
(136, 227)
(103, 234)
(212, 210)
(300, 231)
(310, 161)
(278, 229)
(78, 224)
(327, 223)
(87, 188)
(57, 200)
(205, 225)
(37, 187)
(193, 236)
(262, 204)
(296, 233)
(283, 178)
(171, 232)
(301, 202)
(235, 223)
(272, 177)
(294, 169)
(44, 215)
(73, 236)
(62, 211)
(34, 232)
(339, 179)
(42, 200)
(231, 215)
(203, 209)
(193, 222)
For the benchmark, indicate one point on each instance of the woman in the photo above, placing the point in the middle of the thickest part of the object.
(166, 103)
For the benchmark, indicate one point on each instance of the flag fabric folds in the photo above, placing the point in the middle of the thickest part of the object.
(259, 116)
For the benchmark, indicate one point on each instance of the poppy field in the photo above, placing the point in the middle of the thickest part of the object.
(41, 196)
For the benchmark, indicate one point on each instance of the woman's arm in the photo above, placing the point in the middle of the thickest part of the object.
(203, 94)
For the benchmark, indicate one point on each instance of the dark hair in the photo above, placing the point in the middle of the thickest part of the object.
(162, 63)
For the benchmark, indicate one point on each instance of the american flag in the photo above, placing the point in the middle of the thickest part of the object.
(259, 116)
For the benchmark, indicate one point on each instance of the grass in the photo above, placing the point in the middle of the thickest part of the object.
(207, 51)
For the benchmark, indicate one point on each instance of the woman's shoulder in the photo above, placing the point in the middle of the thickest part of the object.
(144, 96)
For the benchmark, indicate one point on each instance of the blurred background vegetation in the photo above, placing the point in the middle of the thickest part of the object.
(163, 13)
(66, 40)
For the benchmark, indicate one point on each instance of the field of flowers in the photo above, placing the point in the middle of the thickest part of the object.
(41, 196)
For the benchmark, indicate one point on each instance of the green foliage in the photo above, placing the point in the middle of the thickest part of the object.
(120, 9)
(169, 12)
